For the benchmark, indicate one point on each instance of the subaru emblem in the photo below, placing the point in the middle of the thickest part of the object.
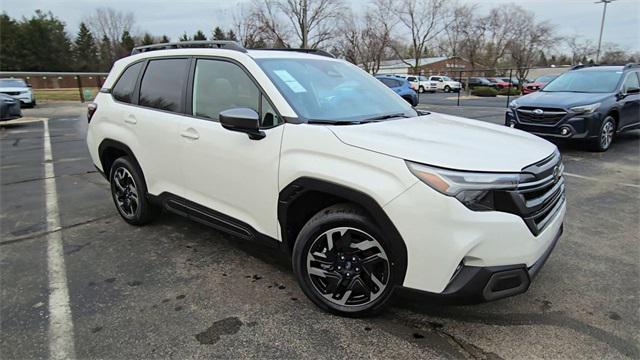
(556, 173)
(538, 111)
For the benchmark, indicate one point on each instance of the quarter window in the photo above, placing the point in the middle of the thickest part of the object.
(269, 117)
(163, 84)
(221, 85)
(123, 90)
(630, 82)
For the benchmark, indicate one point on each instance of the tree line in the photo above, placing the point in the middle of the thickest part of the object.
(506, 36)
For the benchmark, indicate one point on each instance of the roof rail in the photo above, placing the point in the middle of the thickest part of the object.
(631, 65)
(307, 51)
(582, 66)
(219, 44)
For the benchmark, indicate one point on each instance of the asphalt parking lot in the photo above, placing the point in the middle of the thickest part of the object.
(176, 289)
(451, 99)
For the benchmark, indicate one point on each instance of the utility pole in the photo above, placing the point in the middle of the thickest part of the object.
(604, 13)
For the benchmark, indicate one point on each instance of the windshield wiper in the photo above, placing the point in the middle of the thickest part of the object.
(384, 117)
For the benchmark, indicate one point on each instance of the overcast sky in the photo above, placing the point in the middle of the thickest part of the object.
(171, 17)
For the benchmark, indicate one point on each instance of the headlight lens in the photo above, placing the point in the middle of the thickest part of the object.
(586, 109)
(513, 105)
(474, 189)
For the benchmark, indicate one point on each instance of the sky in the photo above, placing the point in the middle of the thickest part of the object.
(171, 17)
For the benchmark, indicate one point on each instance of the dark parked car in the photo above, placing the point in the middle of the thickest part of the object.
(401, 87)
(480, 81)
(9, 108)
(591, 103)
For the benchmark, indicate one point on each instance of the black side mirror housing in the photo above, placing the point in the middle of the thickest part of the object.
(242, 120)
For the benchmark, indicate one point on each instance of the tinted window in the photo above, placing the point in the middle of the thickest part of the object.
(221, 85)
(390, 82)
(411, 78)
(163, 83)
(12, 83)
(630, 82)
(123, 90)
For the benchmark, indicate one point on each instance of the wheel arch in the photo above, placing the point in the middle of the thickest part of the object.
(109, 150)
(305, 196)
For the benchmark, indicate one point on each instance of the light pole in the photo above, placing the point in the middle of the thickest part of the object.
(604, 13)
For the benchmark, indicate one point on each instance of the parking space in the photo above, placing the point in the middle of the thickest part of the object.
(177, 289)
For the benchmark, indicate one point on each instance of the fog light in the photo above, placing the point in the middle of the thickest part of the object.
(565, 130)
(512, 124)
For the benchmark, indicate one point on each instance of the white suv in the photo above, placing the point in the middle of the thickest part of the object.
(421, 84)
(446, 83)
(318, 157)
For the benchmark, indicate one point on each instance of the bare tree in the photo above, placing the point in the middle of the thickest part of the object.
(364, 41)
(110, 23)
(529, 39)
(248, 29)
(581, 49)
(310, 23)
(472, 43)
(423, 20)
(460, 18)
(500, 29)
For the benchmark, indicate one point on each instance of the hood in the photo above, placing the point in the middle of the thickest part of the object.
(449, 142)
(560, 99)
(13, 89)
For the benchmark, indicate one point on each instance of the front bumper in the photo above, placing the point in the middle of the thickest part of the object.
(447, 243)
(473, 284)
(10, 111)
(578, 127)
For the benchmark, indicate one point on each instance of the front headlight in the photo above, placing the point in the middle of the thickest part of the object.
(474, 189)
(513, 105)
(586, 109)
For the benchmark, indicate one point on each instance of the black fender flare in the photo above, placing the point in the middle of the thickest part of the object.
(298, 187)
(110, 143)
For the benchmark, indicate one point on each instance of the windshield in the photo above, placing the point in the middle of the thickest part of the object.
(446, 78)
(585, 81)
(423, 78)
(12, 83)
(331, 91)
(545, 79)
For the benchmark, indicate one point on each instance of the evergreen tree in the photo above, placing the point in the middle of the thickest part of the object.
(199, 36)
(231, 35)
(165, 39)
(147, 39)
(126, 43)
(184, 37)
(218, 34)
(105, 52)
(40, 44)
(85, 52)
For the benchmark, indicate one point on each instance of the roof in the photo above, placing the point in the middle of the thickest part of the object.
(391, 64)
(601, 68)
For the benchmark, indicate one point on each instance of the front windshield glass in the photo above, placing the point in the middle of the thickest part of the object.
(327, 90)
(446, 78)
(423, 78)
(585, 82)
(545, 79)
(12, 83)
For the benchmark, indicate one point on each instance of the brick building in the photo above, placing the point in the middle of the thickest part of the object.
(440, 65)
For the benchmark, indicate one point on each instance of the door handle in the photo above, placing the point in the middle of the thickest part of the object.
(131, 119)
(190, 133)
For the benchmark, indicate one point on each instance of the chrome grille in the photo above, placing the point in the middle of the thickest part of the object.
(535, 115)
(538, 201)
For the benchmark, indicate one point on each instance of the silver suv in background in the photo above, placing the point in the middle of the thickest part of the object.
(19, 90)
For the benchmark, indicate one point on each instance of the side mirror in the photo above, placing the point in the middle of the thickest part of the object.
(441, 80)
(242, 120)
(633, 90)
(29, 85)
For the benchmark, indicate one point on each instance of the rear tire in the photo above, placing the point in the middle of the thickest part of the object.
(605, 136)
(343, 263)
(129, 192)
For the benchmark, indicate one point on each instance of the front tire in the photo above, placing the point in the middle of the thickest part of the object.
(605, 135)
(447, 89)
(343, 263)
(421, 89)
(129, 192)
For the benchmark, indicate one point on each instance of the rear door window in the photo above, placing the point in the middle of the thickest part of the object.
(123, 90)
(163, 84)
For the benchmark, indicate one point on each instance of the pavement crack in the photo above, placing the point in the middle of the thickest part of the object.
(44, 233)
